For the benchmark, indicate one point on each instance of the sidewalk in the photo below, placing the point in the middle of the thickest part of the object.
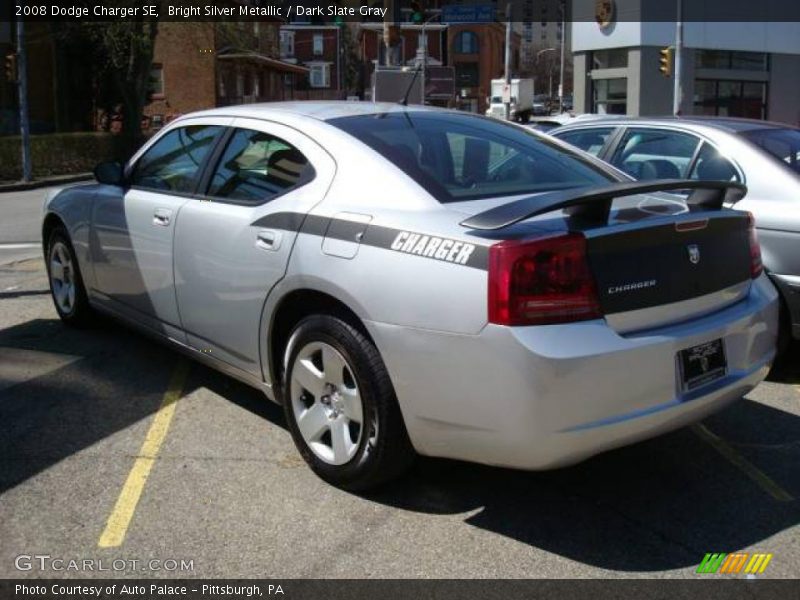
(16, 186)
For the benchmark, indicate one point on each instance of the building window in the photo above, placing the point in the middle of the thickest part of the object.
(725, 59)
(320, 76)
(466, 43)
(157, 81)
(610, 96)
(467, 74)
(287, 44)
(616, 58)
(723, 98)
(317, 44)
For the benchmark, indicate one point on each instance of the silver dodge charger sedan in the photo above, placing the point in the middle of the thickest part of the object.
(410, 280)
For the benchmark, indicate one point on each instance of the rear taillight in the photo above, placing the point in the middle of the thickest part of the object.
(540, 281)
(756, 267)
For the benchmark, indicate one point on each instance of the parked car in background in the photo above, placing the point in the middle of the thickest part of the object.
(765, 156)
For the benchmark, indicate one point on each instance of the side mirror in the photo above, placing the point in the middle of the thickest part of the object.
(109, 173)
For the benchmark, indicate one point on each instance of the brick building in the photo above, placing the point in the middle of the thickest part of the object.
(317, 47)
(202, 65)
(477, 52)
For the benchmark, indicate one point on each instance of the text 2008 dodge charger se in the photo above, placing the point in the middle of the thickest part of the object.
(408, 279)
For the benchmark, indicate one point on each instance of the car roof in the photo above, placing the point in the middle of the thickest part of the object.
(322, 110)
(730, 124)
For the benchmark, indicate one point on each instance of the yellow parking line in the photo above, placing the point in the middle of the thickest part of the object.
(740, 462)
(120, 518)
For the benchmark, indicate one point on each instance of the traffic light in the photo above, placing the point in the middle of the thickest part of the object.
(416, 12)
(11, 67)
(665, 62)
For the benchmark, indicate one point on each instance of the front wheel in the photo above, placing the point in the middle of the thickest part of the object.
(66, 283)
(340, 405)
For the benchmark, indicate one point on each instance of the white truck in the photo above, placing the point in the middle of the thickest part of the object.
(521, 95)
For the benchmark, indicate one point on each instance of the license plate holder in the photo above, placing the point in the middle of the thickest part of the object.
(702, 364)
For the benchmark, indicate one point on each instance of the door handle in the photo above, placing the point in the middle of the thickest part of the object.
(266, 239)
(162, 216)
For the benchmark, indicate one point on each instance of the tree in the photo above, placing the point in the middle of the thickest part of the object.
(350, 61)
(127, 48)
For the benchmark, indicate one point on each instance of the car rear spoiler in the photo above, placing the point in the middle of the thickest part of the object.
(593, 204)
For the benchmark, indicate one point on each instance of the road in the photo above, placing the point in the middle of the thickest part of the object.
(225, 489)
(20, 224)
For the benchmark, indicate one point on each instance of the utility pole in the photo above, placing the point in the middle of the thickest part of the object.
(677, 94)
(22, 91)
(508, 62)
(563, 10)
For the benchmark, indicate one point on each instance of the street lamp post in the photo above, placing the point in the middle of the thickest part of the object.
(550, 70)
(677, 92)
(561, 71)
(424, 64)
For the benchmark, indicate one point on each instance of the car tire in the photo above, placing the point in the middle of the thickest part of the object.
(66, 282)
(341, 407)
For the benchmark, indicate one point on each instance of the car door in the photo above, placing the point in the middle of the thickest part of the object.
(233, 244)
(133, 226)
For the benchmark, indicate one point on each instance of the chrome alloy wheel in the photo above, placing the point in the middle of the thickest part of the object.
(62, 277)
(326, 403)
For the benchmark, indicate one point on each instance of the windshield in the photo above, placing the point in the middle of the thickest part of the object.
(462, 157)
(783, 144)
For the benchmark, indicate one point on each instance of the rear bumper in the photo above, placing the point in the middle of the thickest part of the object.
(546, 396)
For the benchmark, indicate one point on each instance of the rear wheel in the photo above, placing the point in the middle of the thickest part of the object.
(66, 283)
(340, 405)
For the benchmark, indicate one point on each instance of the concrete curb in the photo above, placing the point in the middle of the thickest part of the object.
(17, 186)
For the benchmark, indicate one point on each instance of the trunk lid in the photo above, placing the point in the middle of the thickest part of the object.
(658, 271)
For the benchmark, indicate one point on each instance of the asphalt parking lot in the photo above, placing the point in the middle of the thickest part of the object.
(225, 489)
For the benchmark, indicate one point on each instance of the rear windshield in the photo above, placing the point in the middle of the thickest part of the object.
(462, 157)
(783, 144)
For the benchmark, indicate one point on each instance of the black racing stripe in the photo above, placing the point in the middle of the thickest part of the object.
(376, 236)
(288, 221)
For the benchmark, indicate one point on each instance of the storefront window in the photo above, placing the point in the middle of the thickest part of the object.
(725, 98)
(725, 59)
(610, 96)
(616, 58)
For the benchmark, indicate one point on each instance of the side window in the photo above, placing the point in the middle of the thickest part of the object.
(256, 167)
(589, 140)
(173, 162)
(655, 153)
(712, 166)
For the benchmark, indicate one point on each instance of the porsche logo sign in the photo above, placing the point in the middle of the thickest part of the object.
(604, 13)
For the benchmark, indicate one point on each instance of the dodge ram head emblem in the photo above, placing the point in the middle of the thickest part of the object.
(694, 253)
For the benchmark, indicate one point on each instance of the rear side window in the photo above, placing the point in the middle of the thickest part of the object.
(589, 140)
(655, 153)
(712, 166)
(173, 162)
(256, 167)
(783, 144)
(462, 157)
